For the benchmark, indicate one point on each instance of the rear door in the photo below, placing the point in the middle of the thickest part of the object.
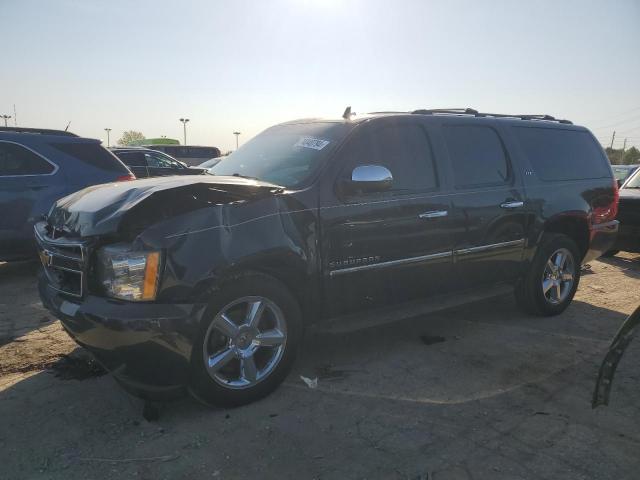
(136, 163)
(488, 203)
(386, 247)
(28, 185)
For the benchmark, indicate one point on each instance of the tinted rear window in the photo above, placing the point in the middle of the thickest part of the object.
(93, 154)
(558, 154)
(477, 155)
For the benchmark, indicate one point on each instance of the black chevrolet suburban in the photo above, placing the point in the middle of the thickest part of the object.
(206, 283)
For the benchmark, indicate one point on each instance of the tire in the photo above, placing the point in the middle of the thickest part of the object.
(610, 253)
(530, 291)
(237, 360)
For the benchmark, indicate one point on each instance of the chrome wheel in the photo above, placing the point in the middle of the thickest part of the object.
(558, 276)
(244, 342)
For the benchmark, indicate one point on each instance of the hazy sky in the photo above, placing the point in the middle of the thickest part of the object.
(244, 65)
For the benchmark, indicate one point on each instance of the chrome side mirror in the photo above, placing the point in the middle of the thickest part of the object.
(369, 178)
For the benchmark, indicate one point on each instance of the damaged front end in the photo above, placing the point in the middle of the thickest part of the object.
(125, 266)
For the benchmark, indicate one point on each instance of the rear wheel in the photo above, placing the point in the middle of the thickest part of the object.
(247, 341)
(552, 280)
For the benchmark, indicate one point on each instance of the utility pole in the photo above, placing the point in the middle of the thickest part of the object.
(237, 134)
(108, 130)
(624, 146)
(613, 137)
(5, 117)
(184, 128)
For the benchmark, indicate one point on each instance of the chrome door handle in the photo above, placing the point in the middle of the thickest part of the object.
(434, 214)
(511, 205)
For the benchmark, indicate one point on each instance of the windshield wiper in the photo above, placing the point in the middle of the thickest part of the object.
(239, 175)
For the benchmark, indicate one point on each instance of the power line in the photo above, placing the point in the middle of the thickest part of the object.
(632, 119)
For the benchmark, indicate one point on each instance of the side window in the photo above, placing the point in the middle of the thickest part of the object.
(92, 153)
(159, 161)
(132, 159)
(16, 160)
(404, 149)
(477, 155)
(561, 154)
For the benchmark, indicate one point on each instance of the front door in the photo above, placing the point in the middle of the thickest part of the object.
(489, 207)
(385, 247)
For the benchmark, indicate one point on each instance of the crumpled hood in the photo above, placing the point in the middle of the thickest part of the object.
(108, 208)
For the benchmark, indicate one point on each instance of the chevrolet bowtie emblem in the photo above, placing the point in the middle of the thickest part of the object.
(45, 258)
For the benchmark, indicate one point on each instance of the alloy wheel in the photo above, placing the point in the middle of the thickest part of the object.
(245, 342)
(558, 276)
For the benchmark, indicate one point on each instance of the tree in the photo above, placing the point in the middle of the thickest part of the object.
(131, 137)
(631, 156)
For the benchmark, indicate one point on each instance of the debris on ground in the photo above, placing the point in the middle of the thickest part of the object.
(310, 383)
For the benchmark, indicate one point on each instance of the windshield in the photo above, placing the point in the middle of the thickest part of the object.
(634, 182)
(286, 155)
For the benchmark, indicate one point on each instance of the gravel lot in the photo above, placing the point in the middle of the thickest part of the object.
(475, 392)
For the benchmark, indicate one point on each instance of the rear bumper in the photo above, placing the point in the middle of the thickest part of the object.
(602, 238)
(147, 346)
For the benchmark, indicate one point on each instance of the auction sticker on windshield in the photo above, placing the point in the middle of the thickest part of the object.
(310, 142)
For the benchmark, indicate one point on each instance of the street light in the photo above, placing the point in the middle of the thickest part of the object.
(6, 117)
(184, 127)
(108, 130)
(237, 134)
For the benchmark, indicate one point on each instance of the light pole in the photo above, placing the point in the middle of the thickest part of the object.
(184, 128)
(237, 134)
(6, 117)
(108, 130)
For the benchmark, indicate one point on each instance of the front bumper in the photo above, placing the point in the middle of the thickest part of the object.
(147, 346)
(602, 239)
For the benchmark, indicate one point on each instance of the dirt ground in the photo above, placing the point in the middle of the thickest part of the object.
(475, 392)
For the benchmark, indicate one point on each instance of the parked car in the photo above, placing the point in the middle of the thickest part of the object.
(212, 162)
(628, 239)
(206, 283)
(189, 154)
(37, 167)
(144, 163)
(622, 172)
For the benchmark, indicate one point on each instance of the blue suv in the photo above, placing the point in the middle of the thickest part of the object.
(37, 167)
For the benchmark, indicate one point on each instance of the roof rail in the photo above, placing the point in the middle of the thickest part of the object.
(475, 113)
(41, 131)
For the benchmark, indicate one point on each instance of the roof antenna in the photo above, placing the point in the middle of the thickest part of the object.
(67, 127)
(347, 113)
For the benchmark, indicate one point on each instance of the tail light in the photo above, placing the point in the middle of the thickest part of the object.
(126, 178)
(609, 211)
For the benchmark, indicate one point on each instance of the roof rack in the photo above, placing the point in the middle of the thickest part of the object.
(41, 131)
(475, 113)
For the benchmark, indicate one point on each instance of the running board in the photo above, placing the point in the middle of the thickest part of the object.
(390, 314)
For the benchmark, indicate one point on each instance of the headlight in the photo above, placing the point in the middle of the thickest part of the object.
(129, 274)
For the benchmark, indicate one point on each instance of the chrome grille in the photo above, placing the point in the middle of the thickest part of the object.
(64, 261)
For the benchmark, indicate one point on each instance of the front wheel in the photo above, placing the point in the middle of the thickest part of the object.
(247, 341)
(552, 280)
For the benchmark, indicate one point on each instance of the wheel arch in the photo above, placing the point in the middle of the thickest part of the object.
(292, 273)
(575, 226)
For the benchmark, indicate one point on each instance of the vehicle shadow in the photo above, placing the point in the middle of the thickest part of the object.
(628, 263)
(484, 352)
